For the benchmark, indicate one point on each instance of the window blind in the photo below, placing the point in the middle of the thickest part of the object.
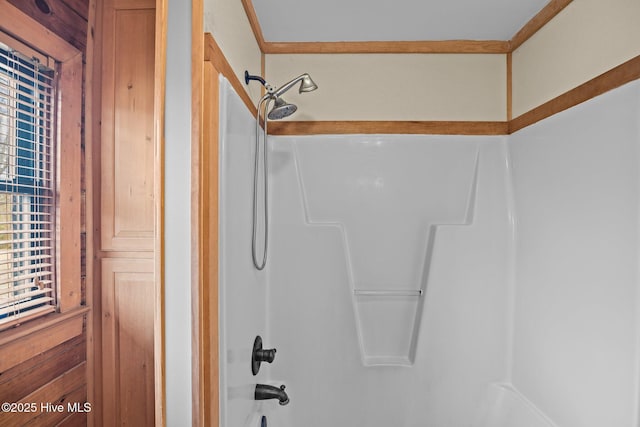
(27, 188)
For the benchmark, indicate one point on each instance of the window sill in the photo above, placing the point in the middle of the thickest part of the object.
(33, 326)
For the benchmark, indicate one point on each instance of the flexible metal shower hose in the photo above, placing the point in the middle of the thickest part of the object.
(254, 231)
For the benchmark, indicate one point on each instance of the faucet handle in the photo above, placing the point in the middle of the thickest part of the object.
(265, 355)
(259, 355)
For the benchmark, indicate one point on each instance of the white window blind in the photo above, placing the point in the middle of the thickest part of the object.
(27, 188)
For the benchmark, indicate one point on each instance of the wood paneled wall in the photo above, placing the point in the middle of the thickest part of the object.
(116, 371)
(66, 18)
(48, 366)
(45, 360)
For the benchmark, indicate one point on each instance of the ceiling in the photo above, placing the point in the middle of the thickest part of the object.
(397, 20)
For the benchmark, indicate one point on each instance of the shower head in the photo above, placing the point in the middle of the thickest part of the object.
(307, 85)
(281, 109)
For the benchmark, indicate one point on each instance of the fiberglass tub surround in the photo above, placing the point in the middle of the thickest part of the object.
(243, 289)
(445, 281)
(390, 254)
(387, 234)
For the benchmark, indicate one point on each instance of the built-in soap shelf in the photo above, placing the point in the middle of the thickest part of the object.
(387, 317)
(387, 292)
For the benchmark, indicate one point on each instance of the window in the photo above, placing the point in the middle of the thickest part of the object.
(27, 187)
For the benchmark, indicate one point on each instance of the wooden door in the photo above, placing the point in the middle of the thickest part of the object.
(127, 205)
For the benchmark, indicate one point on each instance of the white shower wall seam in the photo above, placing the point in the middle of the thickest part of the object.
(511, 263)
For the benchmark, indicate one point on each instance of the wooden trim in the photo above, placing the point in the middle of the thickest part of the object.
(537, 22)
(30, 31)
(435, 46)
(125, 254)
(509, 86)
(255, 24)
(25, 49)
(605, 82)
(208, 249)
(213, 53)
(93, 52)
(198, 306)
(388, 127)
(134, 4)
(93, 163)
(158, 241)
(49, 321)
(69, 184)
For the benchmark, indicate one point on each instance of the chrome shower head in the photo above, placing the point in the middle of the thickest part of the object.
(307, 85)
(281, 109)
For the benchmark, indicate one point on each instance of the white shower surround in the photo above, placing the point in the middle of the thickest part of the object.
(530, 293)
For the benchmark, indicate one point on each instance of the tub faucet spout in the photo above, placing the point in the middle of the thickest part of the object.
(264, 392)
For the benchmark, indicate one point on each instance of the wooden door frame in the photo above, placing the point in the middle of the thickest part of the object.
(158, 252)
(204, 228)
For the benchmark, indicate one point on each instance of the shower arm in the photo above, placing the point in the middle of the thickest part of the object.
(270, 89)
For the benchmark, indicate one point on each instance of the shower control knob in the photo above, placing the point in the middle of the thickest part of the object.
(259, 355)
(265, 355)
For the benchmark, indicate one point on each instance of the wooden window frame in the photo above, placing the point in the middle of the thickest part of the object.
(69, 152)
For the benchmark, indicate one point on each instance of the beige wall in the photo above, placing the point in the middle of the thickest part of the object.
(586, 39)
(228, 22)
(395, 86)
